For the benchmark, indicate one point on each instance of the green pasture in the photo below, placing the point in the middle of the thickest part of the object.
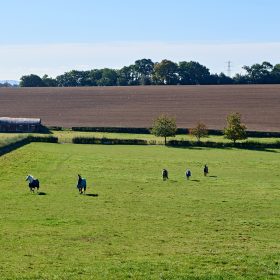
(132, 225)
(66, 136)
(8, 138)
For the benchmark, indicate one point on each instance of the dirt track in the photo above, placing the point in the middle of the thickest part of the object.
(138, 106)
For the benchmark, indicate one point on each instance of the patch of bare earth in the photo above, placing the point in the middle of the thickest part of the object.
(138, 106)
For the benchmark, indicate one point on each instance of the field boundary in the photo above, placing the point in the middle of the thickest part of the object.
(250, 145)
(180, 131)
(27, 140)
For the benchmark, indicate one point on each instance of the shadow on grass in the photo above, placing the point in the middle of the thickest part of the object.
(259, 149)
(173, 181)
(212, 176)
(41, 193)
(92, 194)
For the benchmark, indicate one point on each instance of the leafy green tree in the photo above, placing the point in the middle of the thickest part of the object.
(193, 73)
(166, 73)
(144, 69)
(276, 74)
(199, 131)
(49, 82)
(235, 130)
(127, 76)
(94, 76)
(164, 126)
(259, 73)
(222, 79)
(69, 79)
(31, 81)
(109, 77)
(240, 79)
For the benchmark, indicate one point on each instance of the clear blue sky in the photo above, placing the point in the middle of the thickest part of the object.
(91, 22)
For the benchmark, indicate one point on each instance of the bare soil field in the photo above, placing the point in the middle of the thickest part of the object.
(138, 106)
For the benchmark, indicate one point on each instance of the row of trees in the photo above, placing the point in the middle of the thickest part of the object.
(165, 126)
(146, 72)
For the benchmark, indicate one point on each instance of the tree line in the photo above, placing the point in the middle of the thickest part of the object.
(147, 72)
(165, 126)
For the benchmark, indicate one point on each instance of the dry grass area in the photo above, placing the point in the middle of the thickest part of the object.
(138, 106)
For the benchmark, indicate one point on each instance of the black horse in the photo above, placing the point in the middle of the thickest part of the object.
(82, 184)
(33, 183)
(205, 170)
(164, 174)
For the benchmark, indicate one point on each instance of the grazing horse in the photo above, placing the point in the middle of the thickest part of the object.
(205, 170)
(82, 184)
(33, 183)
(188, 174)
(164, 174)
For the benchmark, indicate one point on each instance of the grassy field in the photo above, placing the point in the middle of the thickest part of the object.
(132, 225)
(66, 136)
(8, 138)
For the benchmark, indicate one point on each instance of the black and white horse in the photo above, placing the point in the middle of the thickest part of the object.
(164, 174)
(188, 174)
(82, 184)
(33, 183)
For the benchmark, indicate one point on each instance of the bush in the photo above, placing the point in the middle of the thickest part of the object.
(108, 141)
(132, 130)
(139, 130)
(48, 139)
(243, 145)
(55, 128)
(199, 131)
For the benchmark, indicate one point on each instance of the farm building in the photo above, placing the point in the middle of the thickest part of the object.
(19, 124)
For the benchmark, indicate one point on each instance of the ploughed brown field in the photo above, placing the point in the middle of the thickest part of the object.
(138, 106)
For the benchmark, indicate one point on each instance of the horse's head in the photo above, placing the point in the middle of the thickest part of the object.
(29, 178)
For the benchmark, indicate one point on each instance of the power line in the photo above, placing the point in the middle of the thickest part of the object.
(229, 67)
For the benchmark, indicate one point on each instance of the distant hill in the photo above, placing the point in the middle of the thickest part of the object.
(11, 82)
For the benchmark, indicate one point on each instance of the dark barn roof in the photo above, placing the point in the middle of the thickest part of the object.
(27, 121)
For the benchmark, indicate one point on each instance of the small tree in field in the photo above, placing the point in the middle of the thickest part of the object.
(199, 131)
(164, 126)
(235, 130)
